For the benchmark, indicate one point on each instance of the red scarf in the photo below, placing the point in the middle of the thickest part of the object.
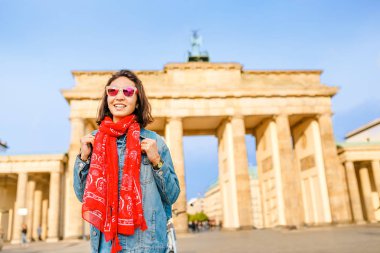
(102, 207)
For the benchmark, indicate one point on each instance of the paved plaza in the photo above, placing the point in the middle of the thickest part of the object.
(344, 239)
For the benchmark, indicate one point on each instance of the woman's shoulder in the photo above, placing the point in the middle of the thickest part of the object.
(145, 133)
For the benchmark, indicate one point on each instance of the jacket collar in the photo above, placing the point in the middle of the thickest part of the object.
(145, 133)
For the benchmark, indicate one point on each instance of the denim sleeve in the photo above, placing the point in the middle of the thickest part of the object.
(165, 177)
(80, 174)
(81, 169)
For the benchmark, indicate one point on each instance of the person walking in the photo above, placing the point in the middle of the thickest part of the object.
(124, 173)
(39, 233)
(24, 231)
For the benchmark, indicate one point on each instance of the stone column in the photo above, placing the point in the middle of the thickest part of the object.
(173, 136)
(229, 210)
(44, 226)
(53, 212)
(376, 174)
(20, 203)
(321, 172)
(36, 213)
(29, 205)
(353, 188)
(73, 221)
(367, 192)
(233, 174)
(290, 177)
(259, 136)
(10, 222)
(335, 176)
(238, 160)
(269, 171)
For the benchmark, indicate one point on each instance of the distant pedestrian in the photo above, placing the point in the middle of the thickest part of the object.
(192, 226)
(24, 230)
(197, 225)
(39, 232)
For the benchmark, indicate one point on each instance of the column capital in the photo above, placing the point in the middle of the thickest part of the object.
(280, 115)
(235, 116)
(174, 118)
(349, 161)
(72, 118)
(330, 114)
(229, 119)
(275, 118)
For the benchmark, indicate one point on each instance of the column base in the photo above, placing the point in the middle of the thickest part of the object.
(247, 227)
(77, 237)
(238, 228)
(54, 239)
(181, 231)
(17, 241)
(286, 227)
(230, 229)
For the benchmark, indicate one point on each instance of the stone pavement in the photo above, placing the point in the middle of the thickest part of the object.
(342, 239)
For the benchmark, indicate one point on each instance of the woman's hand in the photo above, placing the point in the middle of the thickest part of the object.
(149, 147)
(86, 142)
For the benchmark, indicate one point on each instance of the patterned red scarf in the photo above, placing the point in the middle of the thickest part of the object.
(102, 207)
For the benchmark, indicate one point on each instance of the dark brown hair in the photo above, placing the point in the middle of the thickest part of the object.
(143, 108)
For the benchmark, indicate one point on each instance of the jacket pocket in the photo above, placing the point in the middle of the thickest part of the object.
(94, 238)
(150, 233)
(146, 176)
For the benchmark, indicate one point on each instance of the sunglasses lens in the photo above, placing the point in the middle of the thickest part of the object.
(112, 92)
(128, 92)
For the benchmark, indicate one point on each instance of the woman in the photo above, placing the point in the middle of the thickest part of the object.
(124, 173)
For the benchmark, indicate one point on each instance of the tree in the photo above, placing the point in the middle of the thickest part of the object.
(197, 217)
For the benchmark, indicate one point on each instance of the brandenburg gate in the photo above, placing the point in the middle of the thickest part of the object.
(288, 112)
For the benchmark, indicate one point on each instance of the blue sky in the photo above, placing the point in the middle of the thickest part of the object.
(41, 42)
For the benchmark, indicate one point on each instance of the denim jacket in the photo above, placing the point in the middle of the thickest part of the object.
(160, 189)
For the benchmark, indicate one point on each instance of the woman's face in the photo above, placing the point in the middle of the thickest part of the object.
(121, 105)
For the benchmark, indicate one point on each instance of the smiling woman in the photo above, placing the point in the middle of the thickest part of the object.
(122, 105)
(124, 173)
(137, 105)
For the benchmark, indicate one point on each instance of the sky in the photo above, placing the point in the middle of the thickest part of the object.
(41, 42)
